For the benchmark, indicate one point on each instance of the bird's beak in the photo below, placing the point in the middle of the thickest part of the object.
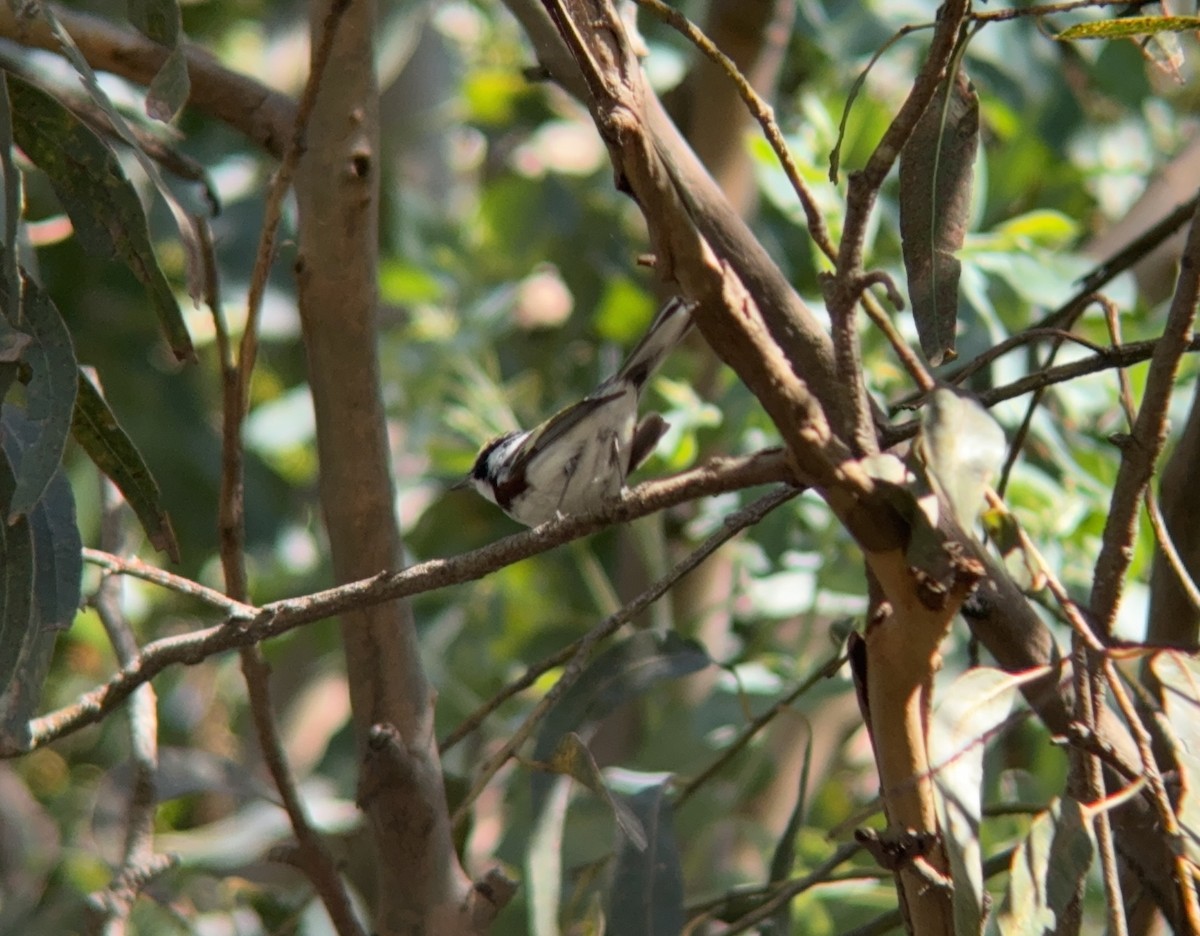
(461, 484)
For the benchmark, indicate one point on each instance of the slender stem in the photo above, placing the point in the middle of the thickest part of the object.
(1147, 438)
(734, 524)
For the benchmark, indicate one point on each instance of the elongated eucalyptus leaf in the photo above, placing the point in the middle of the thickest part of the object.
(104, 207)
(964, 448)
(49, 397)
(1046, 868)
(96, 429)
(58, 556)
(1128, 26)
(969, 710)
(646, 895)
(573, 759)
(160, 20)
(188, 224)
(622, 672)
(16, 581)
(57, 574)
(937, 166)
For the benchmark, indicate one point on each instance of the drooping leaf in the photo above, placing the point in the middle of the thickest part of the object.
(96, 429)
(937, 166)
(16, 581)
(57, 580)
(1046, 868)
(1178, 676)
(970, 709)
(572, 758)
(963, 447)
(785, 850)
(188, 223)
(104, 207)
(49, 397)
(160, 20)
(646, 894)
(622, 672)
(57, 545)
(1128, 26)
(1003, 532)
(10, 311)
(544, 859)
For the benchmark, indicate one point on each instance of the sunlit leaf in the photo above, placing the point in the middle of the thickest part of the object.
(1046, 869)
(937, 167)
(968, 711)
(963, 447)
(1128, 26)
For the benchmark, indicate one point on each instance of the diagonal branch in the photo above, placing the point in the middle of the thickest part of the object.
(1146, 440)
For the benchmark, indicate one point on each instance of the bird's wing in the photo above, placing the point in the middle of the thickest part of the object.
(558, 425)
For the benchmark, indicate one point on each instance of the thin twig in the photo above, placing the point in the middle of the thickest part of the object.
(315, 858)
(844, 288)
(996, 16)
(136, 568)
(717, 476)
(1184, 869)
(273, 208)
(792, 889)
(824, 671)
(734, 524)
(762, 112)
(759, 109)
(110, 908)
(1147, 438)
(1161, 534)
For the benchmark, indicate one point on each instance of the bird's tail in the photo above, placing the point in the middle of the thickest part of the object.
(665, 332)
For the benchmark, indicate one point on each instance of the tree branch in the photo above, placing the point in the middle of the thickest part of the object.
(716, 477)
(1147, 438)
(264, 116)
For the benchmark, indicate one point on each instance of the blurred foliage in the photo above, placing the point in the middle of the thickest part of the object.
(509, 288)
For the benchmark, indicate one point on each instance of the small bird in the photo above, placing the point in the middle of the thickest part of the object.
(580, 457)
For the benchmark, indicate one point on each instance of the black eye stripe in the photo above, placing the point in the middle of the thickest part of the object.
(480, 469)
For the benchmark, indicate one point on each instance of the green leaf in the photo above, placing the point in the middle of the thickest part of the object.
(623, 672)
(785, 851)
(49, 397)
(16, 581)
(1130, 26)
(57, 544)
(963, 447)
(11, 310)
(57, 580)
(1178, 676)
(646, 895)
(573, 759)
(937, 166)
(160, 21)
(969, 710)
(1046, 869)
(169, 90)
(104, 207)
(96, 429)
